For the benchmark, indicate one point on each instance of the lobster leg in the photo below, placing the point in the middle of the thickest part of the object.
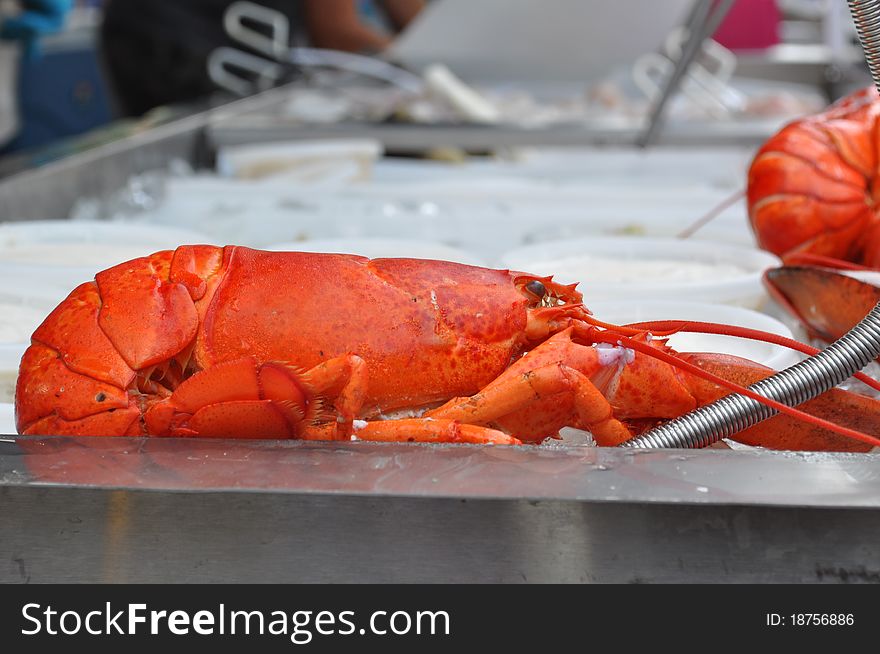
(419, 430)
(564, 383)
(225, 400)
(413, 430)
(345, 378)
(272, 400)
(513, 393)
(558, 384)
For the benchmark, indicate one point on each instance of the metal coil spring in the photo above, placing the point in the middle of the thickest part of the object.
(866, 16)
(793, 386)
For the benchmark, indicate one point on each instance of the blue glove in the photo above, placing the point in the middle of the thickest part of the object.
(38, 17)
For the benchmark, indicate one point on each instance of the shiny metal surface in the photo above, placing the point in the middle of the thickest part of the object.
(616, 131)
(83, 535)
(186, 511)
(380, 469)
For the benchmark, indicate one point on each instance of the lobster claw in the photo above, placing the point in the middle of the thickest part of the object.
(826, 301)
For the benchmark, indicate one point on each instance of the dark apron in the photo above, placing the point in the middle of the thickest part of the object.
(156, 51)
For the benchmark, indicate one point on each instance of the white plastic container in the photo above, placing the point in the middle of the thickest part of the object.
(773, 356)
(110, 237)
(618, 268)
(18, 321)
(382, 247)
(486, 213)
(42, 261)
(7, 419)
(10, 358)
(304, 162)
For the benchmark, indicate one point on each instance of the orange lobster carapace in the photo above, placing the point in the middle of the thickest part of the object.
(233, 342)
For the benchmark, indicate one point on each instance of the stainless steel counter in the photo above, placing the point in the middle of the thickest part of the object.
(193, 510)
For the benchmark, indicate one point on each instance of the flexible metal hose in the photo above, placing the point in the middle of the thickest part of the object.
(807, 379)
(866, 16)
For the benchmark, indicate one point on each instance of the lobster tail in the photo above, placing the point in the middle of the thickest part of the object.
(90, 359)
(71, 378)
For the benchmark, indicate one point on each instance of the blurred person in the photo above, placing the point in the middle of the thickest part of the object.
(25, 21)
(22, 23)
(363, 27)
(156, 51)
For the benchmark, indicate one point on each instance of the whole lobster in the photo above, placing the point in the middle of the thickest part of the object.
(813, 192)
(233, 342)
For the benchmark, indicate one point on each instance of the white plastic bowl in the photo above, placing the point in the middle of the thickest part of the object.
(617, 268)
(39, 286)
(18, 321)
(7, 419)
(773, 356)
(382, 247)
(10, 358)
(113, 238)
(305, 162)
(42, 261)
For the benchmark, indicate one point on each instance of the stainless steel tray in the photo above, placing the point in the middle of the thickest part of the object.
(417, 138)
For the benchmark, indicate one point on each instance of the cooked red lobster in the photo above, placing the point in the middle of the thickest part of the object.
(232, 342)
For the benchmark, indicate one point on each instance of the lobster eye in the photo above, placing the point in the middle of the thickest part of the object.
(537, 289)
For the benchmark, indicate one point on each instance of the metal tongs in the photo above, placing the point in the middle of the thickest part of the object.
(267, 32)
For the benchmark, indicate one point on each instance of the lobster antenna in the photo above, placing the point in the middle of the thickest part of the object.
(669, 327)
(713, 213)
